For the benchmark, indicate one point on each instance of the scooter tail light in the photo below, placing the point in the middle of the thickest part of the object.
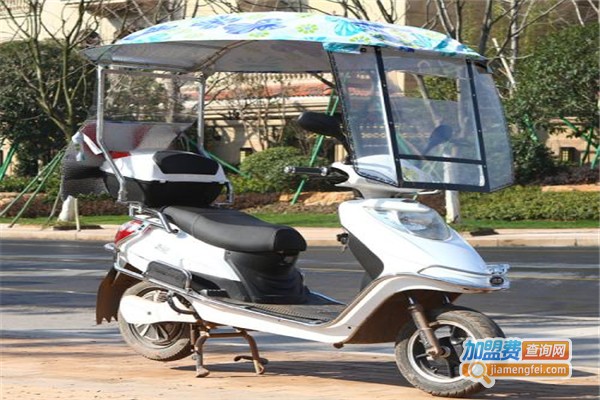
(127, 229)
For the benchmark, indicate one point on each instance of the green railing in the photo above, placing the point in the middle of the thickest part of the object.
(331, 107)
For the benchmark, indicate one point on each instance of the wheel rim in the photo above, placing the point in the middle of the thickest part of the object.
(157, 335)
(451, 335)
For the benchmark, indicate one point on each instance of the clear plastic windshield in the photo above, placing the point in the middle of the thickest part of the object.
(415, 122)
(150, 97)
(146, 110)
(494, 132)
(364, 109)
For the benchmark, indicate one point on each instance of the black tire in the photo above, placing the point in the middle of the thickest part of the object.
(452, 325)
(165, 341)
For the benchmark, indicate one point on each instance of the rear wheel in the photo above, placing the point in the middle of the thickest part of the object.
(165, 341)
(441, 376)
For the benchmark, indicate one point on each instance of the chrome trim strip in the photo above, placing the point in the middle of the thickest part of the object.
(346, 310)
(457, 270)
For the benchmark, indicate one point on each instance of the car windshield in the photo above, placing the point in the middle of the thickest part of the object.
(413, 122)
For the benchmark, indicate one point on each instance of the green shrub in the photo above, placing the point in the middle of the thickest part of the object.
(14, 183)
(572, 175)
(530, 203)
(88, 205)
(265, 171)
(18, 183)
(246, 184)
(532, 160)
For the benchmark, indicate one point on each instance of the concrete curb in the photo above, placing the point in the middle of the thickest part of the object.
(327, 236)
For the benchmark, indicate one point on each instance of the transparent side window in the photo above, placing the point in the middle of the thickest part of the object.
(150, 98)
(364, 108)
(446, 172)
(495, 135)
(144, 110)
(435, 122)
(433, 116)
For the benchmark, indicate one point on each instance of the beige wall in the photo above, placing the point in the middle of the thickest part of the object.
(562, 145)
(59, 13)
(370, 7)
(234, 137)
(57, 16)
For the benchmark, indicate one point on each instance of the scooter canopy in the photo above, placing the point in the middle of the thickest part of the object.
(267, 42)
(420, 110)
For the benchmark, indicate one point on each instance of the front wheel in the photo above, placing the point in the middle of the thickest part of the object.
(164, 341)
(441, 376)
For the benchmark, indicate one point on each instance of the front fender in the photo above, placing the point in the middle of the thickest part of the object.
(383, 325)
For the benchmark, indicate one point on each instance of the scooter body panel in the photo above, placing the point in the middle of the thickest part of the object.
(415, 263)
(410, 263)
(401, 251)
(177, 249)
(338, 330)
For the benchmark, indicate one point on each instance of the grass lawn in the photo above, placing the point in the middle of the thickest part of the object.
(470, 225)
(311, 220)
(332, 221)
(87, 220)
(301, 219)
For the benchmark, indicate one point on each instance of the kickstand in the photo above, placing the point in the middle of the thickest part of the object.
(201, 371)
(205, 334)
(259, 362)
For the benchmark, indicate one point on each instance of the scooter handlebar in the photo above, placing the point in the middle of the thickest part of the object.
(311, 171)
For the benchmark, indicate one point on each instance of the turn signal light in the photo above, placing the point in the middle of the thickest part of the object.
(496, 280)
(128, 229)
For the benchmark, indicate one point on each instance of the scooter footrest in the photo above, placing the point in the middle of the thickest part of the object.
(214, 293)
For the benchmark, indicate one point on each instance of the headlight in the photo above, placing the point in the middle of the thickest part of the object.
(427, 223)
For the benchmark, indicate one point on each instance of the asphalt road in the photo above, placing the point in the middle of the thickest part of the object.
(48, 290)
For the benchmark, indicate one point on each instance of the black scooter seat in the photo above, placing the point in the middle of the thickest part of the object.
(234, 230)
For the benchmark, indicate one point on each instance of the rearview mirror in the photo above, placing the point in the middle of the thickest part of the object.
(322, 124)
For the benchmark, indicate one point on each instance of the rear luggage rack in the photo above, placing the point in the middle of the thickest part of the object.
(136, 209)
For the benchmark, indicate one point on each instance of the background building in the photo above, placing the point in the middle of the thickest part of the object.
(238, 120)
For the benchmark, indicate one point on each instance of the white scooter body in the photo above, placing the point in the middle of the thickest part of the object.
(183, 268)
(410, 262)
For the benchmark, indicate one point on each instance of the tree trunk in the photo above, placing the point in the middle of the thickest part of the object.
(452, 207)
(514, 36)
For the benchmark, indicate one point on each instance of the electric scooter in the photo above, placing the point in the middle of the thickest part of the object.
(187, 269)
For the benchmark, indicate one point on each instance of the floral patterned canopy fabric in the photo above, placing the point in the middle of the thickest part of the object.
(268, 41)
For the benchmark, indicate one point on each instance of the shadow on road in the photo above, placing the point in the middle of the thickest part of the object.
(386, 373)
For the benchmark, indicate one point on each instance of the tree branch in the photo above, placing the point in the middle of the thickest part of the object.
(458, 6)
(577, 13)
(444, 18)
(486, 27)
